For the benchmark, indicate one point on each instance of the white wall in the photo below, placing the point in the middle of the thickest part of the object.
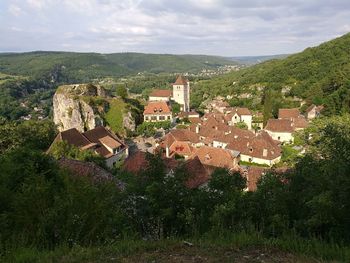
(151, 98)
(181, 95)
(281, 136)
(157, 116)
(247, 158)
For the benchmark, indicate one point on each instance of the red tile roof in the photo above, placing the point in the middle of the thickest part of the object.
(161, 93)
(239, 111)
(215, 157)
(261, 146)
(135, 162)
(198, 174)
(300, 122)
(181, 80)
(91, 140)
(279, 125)
(180, 148)
(157, 108)
(288, 113)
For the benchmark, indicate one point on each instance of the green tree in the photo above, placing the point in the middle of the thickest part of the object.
(122, 91)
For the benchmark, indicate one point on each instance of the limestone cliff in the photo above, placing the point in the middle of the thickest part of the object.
(86, 106)
(79, 106)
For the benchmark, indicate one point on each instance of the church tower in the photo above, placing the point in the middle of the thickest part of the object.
(181, 93)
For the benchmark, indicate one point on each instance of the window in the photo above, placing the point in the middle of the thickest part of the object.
(154, 118)
(279, 138)
(146, 118)
(161, 118)
(168, 117)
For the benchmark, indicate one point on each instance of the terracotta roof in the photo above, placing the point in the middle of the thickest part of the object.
(180, 148)
(214, 157)
(261, 146)
(181, 80)
(300, 122)
(198, 174)
(110, 142)
(188, 114)
(161, 93)
(181, 135)
(253, 175)
(288, 113)
(135, 162)
(239, 111)
(74, 137)
(88, 169)
(157, 107)
(280, 125)
(98, 133)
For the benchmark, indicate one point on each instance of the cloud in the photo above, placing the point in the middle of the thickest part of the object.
(222, 27)
(15, 10)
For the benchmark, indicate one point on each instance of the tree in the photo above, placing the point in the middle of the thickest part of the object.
(122, 91)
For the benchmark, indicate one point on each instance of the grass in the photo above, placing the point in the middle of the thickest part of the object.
(114, 116)
(227, 247)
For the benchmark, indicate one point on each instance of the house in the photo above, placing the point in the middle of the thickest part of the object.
(199, 174)
(237, 115)
(161, 95)
(313, 111)
(216, 157)
(189, 115)
(99, 140)
(288, 113)
(157, 111)
(181, 93)
(180, 142)
(261, 149)
(280, 129)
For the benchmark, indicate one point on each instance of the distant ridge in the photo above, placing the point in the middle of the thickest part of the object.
(85, 66)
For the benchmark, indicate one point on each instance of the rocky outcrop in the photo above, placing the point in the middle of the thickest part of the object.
(79, 106)
(129, 121)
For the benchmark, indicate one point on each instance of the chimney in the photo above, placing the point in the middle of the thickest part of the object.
(265, 152)
(167, 151)
(197, 128)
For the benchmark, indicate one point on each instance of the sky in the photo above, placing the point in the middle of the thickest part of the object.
(212, 27)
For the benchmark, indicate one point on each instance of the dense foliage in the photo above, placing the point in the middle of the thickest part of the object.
(320, 75)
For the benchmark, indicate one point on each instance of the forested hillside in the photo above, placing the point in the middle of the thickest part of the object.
(320, 75)
(81, 67)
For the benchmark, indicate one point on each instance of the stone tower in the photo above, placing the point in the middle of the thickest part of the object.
(181, 92)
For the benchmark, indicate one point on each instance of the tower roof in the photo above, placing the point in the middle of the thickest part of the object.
(181, 80)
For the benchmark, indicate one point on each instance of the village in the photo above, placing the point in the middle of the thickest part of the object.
(226, 137)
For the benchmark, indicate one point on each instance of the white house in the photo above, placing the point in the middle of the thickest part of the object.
(157, 111)
(280, 129)
(240, 115)
(160, 95)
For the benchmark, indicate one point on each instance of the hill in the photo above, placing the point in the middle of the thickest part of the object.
(319, 75)
(252, 60)
(81, 67)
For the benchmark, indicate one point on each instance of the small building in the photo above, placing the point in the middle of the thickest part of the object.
(99, 140)
(313, 111)
(280, 129)
(157, 111)
(289, 114)
(216, 157)
(161, 95)
(237, 115)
